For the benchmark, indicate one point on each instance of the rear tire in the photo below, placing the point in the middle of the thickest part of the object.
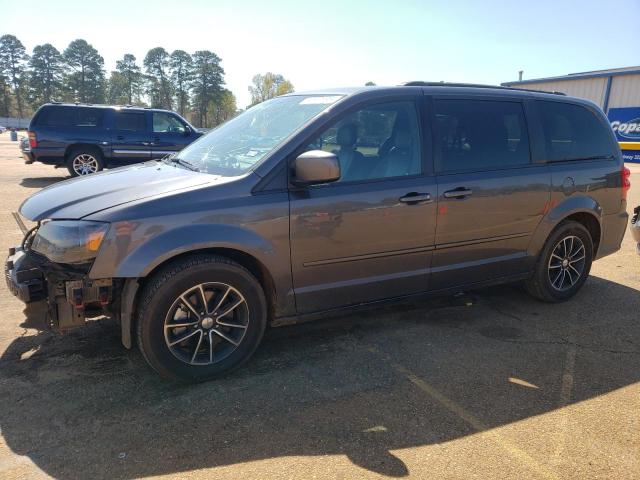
(563, 265)
(200, 318)
(84, 161)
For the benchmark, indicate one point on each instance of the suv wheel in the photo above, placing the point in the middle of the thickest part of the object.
(200, 318)
(564, 263)
(84, 162)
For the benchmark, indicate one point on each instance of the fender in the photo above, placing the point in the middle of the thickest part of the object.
(557, 212)
(146, 256)
(153, 250)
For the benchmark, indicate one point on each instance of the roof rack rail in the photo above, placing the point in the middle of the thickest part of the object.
(418, 83)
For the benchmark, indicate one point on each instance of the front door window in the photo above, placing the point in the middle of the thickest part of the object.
(381, 141)
(167, 123)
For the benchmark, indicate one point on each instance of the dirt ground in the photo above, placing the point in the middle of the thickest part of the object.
(489, 385)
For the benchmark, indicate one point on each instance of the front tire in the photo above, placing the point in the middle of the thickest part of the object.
(84, 161)
(564, 263)
(200, 318)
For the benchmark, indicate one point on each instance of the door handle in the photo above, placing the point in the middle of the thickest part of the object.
(415, 197)
(459, 192)
(119, 137)
(146, 143)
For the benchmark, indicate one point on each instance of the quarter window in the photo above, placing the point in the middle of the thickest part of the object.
(89, 117)
(380, 141)
(131, 121)
(572, 132)
(71, 117)
(480, 134)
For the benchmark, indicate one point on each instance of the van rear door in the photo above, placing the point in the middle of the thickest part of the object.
(491, 196)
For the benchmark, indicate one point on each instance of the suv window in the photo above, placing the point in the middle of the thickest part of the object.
(166, 123)
(572, 132)
(89, 117)
(71, 117)
(480, 134)
(131, 121)
(379, 141)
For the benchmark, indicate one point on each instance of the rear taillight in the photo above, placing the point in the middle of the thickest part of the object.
(33, 140)
(626, 181)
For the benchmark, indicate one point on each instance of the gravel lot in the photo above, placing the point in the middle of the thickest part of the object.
(489, 385)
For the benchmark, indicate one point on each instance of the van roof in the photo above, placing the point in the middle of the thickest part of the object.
(453, 89)
(438, 88)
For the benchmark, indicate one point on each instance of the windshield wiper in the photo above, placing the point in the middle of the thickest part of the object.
(184, 163)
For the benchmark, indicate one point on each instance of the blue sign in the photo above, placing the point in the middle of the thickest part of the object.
(625, 122)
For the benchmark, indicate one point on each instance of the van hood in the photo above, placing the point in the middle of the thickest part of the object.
(79, 197)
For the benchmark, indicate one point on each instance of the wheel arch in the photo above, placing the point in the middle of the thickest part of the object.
(133, 287)
(83, 145)
(582, 209)
(591, 223)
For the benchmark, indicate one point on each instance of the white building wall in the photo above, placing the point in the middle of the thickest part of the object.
(625, 91)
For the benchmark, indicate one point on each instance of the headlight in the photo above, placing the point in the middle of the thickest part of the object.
(69, 241)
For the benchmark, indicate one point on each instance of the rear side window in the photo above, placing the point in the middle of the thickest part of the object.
(480, 134)
(89, 117)
(70, 117)
(572, 132)
(131, 121)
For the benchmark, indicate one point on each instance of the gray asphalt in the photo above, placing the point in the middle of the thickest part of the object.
(491, 384)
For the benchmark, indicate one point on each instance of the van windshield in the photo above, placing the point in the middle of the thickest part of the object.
(236, 146)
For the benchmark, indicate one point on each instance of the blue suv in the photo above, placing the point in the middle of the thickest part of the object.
(88, 138)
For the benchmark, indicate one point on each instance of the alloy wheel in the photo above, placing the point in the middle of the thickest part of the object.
(567, 263)
(85, 164)
(206, 323)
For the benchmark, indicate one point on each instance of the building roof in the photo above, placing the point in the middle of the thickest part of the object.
(612, 72)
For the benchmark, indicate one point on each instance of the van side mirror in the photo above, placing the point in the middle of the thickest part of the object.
(316, 166)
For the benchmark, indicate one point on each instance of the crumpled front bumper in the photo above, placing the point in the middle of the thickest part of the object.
(24, 277)
(71, 297)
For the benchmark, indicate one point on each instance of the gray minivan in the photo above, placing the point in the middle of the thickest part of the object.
(314, 202)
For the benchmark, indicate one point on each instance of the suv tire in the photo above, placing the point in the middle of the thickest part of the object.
(563, 265)
(84, 161)
(213, 336)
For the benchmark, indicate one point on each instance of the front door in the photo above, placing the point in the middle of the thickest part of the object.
(490, 196)
(170, 135)
(370, 235)
(130, 137)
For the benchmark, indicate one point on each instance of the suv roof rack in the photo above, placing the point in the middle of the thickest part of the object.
(419, 83)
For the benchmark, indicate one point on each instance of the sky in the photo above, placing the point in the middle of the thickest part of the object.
(327, 43)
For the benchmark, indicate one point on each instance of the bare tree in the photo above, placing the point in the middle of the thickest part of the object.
(268, 86)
